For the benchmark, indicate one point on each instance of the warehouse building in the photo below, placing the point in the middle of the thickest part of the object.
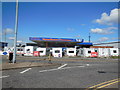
(109, 44)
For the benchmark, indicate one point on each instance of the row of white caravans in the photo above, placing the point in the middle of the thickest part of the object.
(102, 52)
(60, 52)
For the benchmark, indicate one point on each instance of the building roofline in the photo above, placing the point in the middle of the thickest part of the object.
(106, 43)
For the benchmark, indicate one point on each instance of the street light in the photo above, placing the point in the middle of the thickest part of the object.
(16, 29)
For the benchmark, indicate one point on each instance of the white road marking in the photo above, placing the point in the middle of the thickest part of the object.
(72, 67)
(4, 76)
(25, 70)
(62, 66)
(88, 64)
(49, 70)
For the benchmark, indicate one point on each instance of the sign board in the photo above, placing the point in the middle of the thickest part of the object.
(36, 53)
(5, 53)
(54, 39)
(94, 54)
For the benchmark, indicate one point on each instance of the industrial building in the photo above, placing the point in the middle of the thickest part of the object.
(112, 44)
(2, 45)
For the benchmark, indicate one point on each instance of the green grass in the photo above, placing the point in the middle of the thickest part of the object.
(115, 57)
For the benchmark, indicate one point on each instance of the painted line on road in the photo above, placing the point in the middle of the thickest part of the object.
(49, 70)
(4, 76)
(62, 66)
(25, 70)
(104, 84)
(88, 64)
(72, 67)
(108, 84)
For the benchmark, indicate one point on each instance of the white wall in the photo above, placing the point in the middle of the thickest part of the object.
(57, 52)
(71, 51)
(42, 51)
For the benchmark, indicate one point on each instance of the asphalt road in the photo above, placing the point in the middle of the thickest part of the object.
(72, 74)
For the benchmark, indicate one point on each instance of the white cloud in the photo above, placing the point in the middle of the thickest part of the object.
(11, 38)
(70, 29)
(19, 41)
(104, 31)
(109, 19)
(82, 24)
(103, 39)
(8, 31)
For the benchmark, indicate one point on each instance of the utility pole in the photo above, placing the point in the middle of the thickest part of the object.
(89, 37)
(16, 29)
(5, 34)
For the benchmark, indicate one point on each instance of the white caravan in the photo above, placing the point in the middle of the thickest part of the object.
(85, 52)
(29, 50)
(71, 51)
(103, 52)
(113, 51)
(57, 52)
(20, 50)
(42, 51)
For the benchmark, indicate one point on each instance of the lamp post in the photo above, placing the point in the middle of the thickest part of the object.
(16, 29)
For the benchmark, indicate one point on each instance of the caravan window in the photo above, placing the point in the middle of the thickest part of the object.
(34, 49)
(114, 51)
(89, 51)
(71, 51)
(57, 51)
(20, 50)
(41, 51)
(28, 50)
(95, 50)
(81, 51)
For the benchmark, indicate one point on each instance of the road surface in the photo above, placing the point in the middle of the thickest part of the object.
(72, 74)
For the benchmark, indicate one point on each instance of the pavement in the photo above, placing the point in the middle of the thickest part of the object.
(77, 74)
(25, 62)
(6, 66)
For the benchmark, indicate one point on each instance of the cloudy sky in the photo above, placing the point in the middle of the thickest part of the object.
(62, 20)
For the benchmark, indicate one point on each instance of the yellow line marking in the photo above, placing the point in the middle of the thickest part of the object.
(103, 83)
(108, 84)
